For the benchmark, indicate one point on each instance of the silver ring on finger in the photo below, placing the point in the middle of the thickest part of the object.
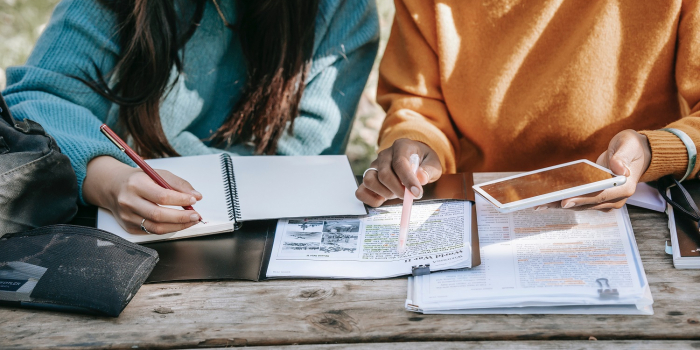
(143, 228)
(368, 169)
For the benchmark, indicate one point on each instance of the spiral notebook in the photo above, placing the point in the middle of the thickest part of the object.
(239, 189)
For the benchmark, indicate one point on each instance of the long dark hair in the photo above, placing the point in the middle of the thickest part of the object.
(277, 40)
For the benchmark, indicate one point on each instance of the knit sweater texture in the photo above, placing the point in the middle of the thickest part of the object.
(83, 33)
(517, 85)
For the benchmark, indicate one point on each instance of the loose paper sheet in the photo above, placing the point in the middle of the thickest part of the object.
(365, 247)
(647, 197)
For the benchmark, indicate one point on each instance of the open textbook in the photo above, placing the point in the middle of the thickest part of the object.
(542, 262)
(440, 237)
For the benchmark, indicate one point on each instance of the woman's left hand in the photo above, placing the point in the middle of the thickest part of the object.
(628, 154)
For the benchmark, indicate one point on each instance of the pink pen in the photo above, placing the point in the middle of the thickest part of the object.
(406, 212)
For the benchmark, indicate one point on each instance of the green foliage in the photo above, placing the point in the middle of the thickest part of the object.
(21, 23)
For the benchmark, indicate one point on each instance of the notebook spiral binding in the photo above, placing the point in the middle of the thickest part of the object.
(234, 208)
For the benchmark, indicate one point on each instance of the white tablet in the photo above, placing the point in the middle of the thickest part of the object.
(548, 185)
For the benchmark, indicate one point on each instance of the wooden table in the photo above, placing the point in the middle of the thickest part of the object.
(355, 313)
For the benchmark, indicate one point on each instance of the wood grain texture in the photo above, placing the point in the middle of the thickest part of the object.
(506, 345)
(223, 314)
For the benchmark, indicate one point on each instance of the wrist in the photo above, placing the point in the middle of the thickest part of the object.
(101, 183)
(646, 149)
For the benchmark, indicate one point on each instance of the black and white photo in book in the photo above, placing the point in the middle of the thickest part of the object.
(340, 236)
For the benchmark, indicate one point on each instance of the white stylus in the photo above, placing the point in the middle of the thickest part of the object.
(406, 212)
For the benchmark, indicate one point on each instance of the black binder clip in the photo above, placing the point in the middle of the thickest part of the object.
(605, 291)
(421, 270)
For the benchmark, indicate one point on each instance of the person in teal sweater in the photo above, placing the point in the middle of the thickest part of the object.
(190, 77)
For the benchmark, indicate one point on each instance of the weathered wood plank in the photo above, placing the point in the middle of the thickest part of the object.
(219, 314)
(506, 345)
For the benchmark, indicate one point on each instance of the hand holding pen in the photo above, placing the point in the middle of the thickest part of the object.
(137, 201)
(390, 174)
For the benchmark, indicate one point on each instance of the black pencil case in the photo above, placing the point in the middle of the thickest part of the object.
(72, 268)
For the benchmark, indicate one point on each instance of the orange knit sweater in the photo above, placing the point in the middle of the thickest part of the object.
(514, 85)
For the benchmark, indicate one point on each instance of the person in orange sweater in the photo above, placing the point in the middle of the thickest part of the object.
(515, 86)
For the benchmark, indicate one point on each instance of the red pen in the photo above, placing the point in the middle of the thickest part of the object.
(117, 141)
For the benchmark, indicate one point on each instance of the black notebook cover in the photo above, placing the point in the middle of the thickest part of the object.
(239, 255)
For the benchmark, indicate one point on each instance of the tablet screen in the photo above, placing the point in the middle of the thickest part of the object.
(544, 182)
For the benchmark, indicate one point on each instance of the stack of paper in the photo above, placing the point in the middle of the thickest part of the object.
(542, 262)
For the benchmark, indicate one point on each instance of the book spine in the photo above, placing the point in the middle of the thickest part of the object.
(234, 208)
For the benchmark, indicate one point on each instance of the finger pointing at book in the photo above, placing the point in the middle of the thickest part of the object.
(390, 173)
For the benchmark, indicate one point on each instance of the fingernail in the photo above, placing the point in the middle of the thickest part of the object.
(427, 176)
(541, 207)
(569, 205)
(193, 200)
(415, 191)
(194, 217)
(196, 194)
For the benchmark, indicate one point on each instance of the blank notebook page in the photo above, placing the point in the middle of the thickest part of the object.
(273, 187)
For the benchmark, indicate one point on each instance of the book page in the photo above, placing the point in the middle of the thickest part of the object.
(365, 247)
(534, 258)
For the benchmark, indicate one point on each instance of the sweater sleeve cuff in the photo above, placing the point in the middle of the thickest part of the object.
(668, 155)
(436, 141)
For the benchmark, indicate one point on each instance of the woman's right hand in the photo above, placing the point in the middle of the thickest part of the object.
(132, 196)
(394, 173)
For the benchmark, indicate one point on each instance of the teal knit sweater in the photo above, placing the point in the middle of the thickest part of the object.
(82, 33)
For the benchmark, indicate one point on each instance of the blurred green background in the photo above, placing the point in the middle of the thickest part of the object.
(22, 21)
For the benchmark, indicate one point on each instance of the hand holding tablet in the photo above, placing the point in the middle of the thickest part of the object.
(548, 185)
